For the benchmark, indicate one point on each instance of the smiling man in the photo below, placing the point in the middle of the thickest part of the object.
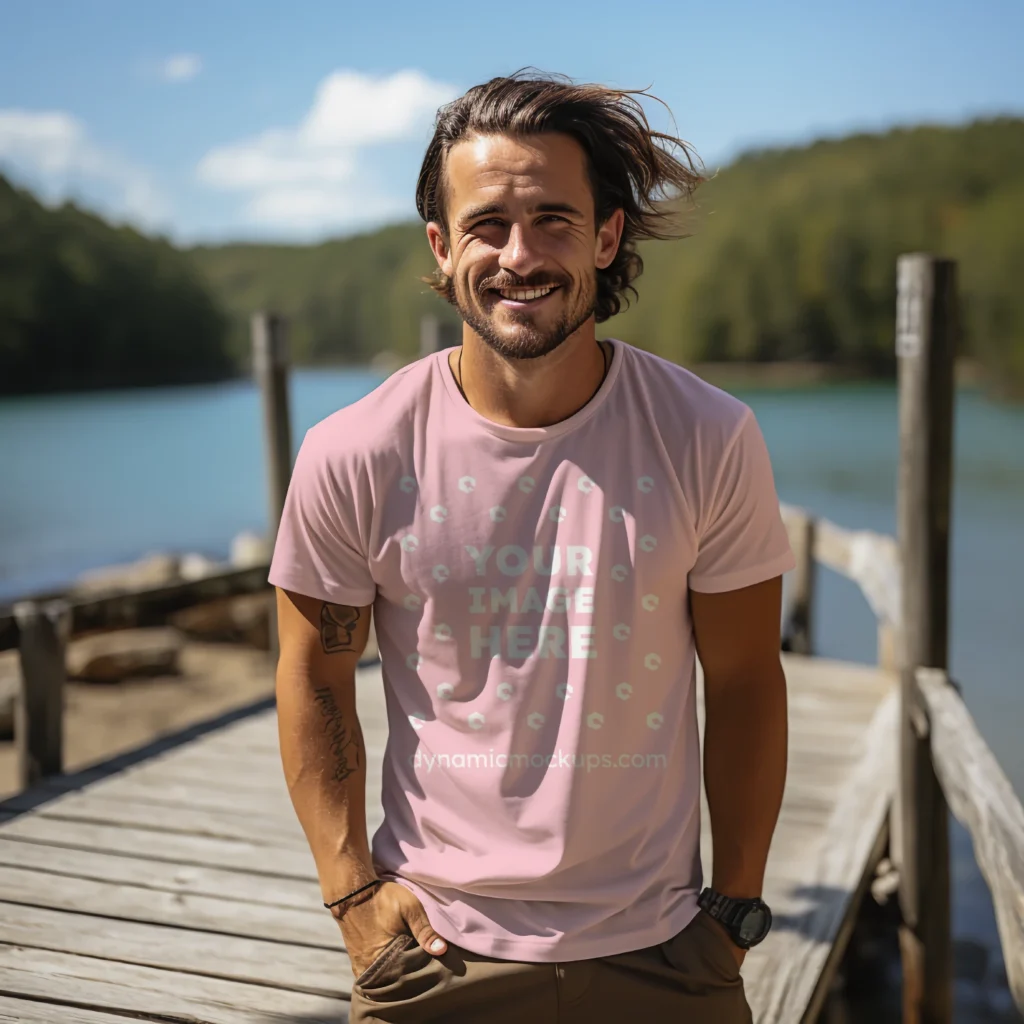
(548, 532)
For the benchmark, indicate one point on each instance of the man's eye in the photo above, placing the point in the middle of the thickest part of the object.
(554, 216)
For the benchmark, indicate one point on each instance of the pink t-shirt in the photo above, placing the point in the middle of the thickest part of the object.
(541, 784)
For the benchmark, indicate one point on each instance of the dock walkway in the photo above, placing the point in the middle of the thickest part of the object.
(180, 887)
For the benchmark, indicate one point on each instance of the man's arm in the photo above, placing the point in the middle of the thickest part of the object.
(324, 760)
(322, 747)
(745, 729)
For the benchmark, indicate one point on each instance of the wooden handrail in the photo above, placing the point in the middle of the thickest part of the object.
(870, 559)
(983, 800)
(975, 787)
(147, 607)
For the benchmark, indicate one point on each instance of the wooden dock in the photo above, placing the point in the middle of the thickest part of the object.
(180, 887)
(174, 884)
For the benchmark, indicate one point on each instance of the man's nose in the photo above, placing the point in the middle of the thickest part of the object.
(519, 255)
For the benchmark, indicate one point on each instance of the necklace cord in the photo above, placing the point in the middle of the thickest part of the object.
(604, 357)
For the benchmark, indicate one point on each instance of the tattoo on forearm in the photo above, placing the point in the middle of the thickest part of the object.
(338, 626)
(344, 742)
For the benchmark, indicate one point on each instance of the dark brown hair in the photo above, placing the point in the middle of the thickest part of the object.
(630, 165)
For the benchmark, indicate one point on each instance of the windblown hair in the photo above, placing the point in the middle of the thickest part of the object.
(645, 172)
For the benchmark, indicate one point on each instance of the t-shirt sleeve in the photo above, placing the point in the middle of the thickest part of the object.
(742, 540)
(318, 552)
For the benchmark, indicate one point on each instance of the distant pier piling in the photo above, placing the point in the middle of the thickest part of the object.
(270, 362)
(437, 334)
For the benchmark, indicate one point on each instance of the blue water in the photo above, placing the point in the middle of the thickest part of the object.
(86, 480)
(90, 479)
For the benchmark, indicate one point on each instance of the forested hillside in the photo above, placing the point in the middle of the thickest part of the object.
(791, 258)
(87, 305)
(795, 250)
(346, 300)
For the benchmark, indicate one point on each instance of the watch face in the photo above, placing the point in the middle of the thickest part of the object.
(755, 924)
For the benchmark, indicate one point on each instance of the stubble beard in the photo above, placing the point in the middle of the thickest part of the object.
(529, 341)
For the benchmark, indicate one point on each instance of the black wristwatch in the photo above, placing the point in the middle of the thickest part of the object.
(746, 921)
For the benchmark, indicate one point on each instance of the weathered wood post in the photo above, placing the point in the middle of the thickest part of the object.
(43, 631)
(888, 647)
(436, 334)
(799, 636)
(430, 334)
(926, 329)
(270, 358)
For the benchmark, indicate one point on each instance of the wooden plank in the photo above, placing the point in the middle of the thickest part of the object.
(196, 768)
(162, 792)
(983, 800)
(28, 1011)
(185, 769)
(169, 846)
(153, 788)
(830, 876)
(166, 876)
(192, 793)
(841, 940)
(281, 830)
(302, 968)
(309, 925)
(147, 992)
(826, 675)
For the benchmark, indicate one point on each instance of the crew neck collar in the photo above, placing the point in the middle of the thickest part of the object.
(528, 434)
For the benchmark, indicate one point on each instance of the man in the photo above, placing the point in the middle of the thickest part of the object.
(548, 531)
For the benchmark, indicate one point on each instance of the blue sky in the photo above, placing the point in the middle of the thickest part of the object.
(219, 120)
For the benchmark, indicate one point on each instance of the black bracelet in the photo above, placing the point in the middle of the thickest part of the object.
(369, 885)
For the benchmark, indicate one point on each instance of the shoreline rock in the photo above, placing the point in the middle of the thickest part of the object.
(124, 653)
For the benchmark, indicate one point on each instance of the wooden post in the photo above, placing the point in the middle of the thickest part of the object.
(270, 365)
(888, 647)
(799, 636)
(926, 331)
(430, 335)
(43, 631)
(436, 335)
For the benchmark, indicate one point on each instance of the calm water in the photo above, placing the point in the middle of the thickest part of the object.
(86, 480)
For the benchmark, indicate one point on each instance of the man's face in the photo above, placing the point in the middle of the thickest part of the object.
(523, 248)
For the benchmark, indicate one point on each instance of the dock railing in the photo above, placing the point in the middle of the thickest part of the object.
(943, 758)
(944, 764)
(975, 787)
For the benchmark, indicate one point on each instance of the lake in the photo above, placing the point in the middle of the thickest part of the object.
(87, 480)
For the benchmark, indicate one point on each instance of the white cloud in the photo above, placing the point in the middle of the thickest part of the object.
(308, 174)
(271, 160)
(305, 209)
(351, 109)
(54, 150)
(181, 67)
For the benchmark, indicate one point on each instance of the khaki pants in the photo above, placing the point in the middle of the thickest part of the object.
(691, 977)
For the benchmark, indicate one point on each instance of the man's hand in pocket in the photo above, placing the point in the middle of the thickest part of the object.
(392, 910)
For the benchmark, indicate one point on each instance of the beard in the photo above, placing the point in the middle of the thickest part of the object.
(527, 340)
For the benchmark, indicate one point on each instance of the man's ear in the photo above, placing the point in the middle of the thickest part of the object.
(438, 238)
(609, 234)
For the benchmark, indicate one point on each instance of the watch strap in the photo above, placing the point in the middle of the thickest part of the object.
(726, 909)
